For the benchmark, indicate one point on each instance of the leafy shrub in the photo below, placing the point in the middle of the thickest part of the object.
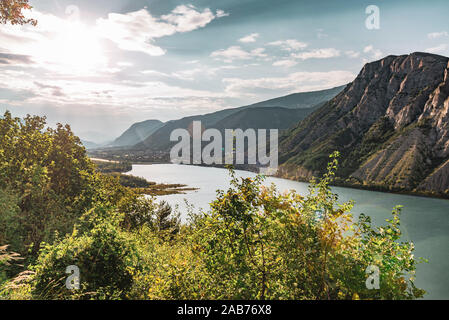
(257, 243)
(170, 269)
(113, 167)
(49, 172)
(134, 182)
(104, 257)
(166, 220)
(10, 223)
(6, 258)
(138, 211)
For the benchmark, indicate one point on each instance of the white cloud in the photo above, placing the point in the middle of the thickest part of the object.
(295, 82)
(136, 31)
(231, 53)
(187, 18)
(203, 71)
(318, 54)
(125, 64)
(368, 49)
(437, 35)
(221, 14)
(250, 38)
(237, 53)
(375, 53)
(438, 49)
(289, 45)
(190, 74)
(155, 73)
(117, 94)
(352, 54)
(259, 52)
(285, 63)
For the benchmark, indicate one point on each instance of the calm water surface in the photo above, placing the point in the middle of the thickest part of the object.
(425, 221)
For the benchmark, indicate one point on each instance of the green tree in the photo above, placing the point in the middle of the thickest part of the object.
(49, 173)
(257, 243)
(104, 256)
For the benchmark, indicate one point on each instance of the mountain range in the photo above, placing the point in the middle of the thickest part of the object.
(278, 113)
(390, 125)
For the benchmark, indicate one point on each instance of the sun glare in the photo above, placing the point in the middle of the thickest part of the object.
(76, 49)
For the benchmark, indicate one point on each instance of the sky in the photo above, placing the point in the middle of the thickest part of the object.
(103, 65)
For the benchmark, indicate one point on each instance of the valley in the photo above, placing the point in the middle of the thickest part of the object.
(390, 126)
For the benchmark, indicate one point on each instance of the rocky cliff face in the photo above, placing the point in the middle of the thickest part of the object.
(391, 125)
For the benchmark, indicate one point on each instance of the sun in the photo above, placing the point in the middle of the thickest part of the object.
(76, 50)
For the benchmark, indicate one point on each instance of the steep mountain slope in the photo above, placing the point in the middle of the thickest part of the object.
(160, 139)
(138, 132)
(390, 125)
(301, 100)
(264, 118)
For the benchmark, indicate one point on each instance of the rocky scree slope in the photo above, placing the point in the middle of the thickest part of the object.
(391, 125)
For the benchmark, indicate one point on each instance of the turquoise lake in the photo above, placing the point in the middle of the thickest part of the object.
(425, 221)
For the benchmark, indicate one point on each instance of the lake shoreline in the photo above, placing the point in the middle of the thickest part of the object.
(334, 184)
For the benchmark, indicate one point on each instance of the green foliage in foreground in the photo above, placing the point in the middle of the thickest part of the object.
(46, 182)
(257, 243)
(103, 255)
(113, 167)
(254, 243)
(133, 181)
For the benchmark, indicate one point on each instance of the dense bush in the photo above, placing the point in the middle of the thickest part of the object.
(6, 259)
(257, 243)
(50, 176)
(10, 223)
(134, 182)
(113, 166)
(103, 255)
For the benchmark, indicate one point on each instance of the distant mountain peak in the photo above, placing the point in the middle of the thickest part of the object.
(137, 133)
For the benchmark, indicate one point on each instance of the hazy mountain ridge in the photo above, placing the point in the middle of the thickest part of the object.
(264, 118)
(89, 144)
(138, 132)
(160, 139)
(300, 100)
(390, 124)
